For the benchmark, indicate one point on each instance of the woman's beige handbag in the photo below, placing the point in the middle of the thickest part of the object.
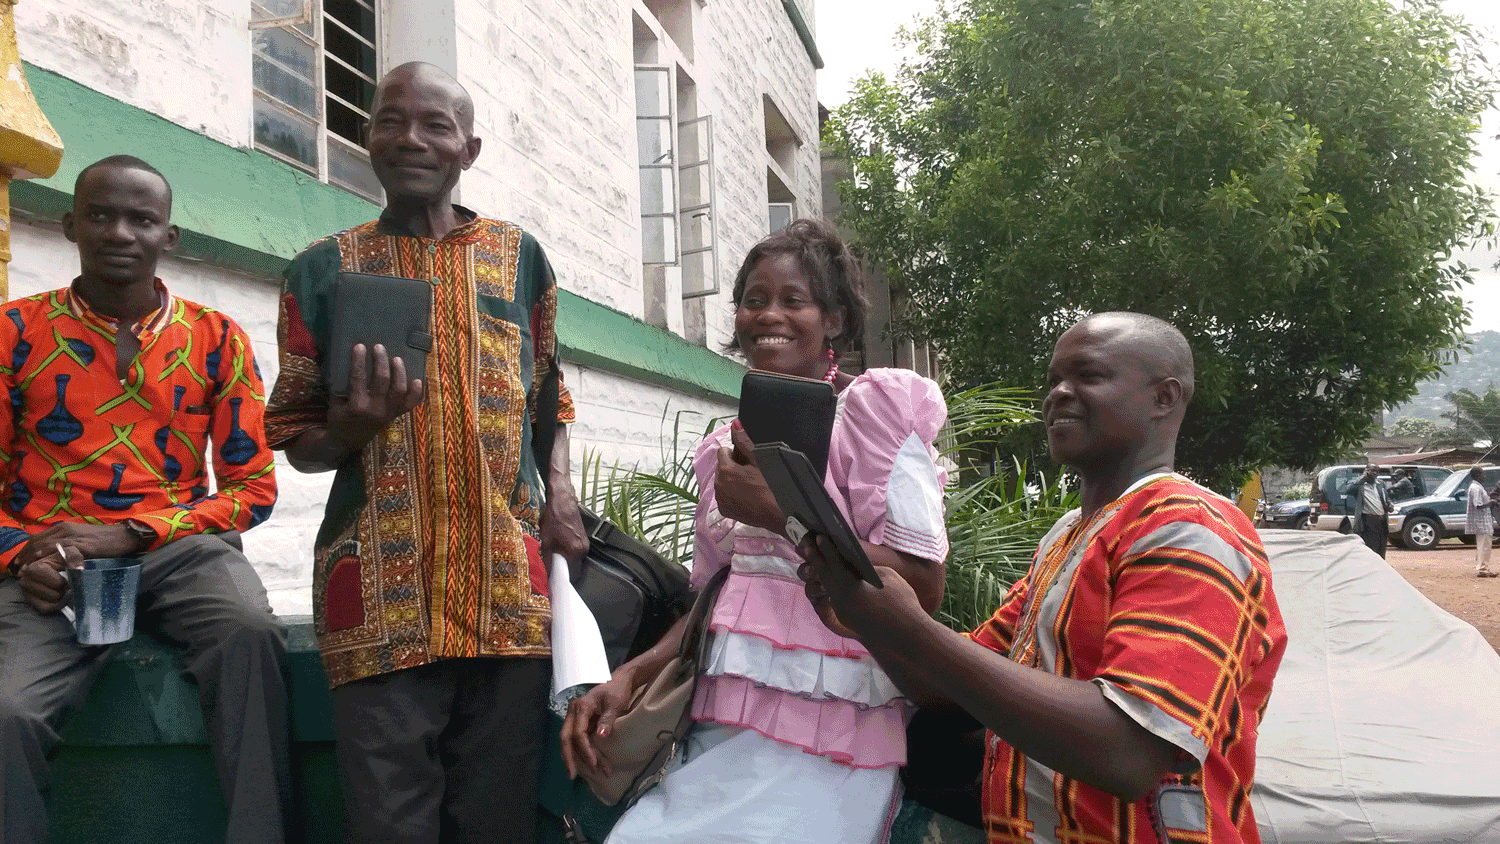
(649, 733)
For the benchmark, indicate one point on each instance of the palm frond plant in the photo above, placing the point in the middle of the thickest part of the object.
(653, 505)
(996, 512)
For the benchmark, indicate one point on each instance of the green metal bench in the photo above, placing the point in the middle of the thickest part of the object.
(134, 765)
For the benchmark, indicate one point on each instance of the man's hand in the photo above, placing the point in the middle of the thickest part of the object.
(43, 576)
(847, 605)
(92, 542)
(741, 490)
(561, 526)
(374, 401)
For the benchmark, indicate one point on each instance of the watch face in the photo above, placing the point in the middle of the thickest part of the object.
(142, 533)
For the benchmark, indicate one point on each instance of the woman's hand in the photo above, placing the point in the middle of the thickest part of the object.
(740, 489)
(592, 714)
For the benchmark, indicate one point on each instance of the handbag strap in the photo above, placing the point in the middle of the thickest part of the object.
(692, 655)
(695, 640)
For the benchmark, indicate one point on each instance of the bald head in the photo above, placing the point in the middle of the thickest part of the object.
(1156, 344)
(1118, 388)
(421, 136)
(429, 78)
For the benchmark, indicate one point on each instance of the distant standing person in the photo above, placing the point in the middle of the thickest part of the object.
(1369, 504)
(1481, 522)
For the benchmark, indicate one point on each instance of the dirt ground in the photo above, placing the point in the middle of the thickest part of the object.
(1446, 576)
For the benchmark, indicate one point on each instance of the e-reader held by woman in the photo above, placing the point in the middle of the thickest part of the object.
(808, 507)
(797, 412)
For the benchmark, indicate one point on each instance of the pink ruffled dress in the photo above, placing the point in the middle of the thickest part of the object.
(775, 668)
(800, 735)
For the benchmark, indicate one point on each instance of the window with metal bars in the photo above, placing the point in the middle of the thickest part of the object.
(314, 65)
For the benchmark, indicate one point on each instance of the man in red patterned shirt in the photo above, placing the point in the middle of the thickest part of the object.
(1122, 681)
(116, 387)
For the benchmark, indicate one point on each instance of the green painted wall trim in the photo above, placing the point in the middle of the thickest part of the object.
(804, 31)
(236, 207)
(245, 210)
(597, 336)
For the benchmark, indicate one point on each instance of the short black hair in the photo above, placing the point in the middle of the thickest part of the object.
(1174, 353)
(833, 272)
(1477, 473)
(127, 162)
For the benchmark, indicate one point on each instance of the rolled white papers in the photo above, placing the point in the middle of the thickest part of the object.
(578, 661)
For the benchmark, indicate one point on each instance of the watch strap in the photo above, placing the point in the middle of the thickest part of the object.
(143, 532)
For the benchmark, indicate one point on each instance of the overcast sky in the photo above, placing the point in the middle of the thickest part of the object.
(854, 36)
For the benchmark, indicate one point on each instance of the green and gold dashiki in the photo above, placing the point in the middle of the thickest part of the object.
(427, 549)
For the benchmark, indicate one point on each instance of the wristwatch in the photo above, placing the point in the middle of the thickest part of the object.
(142, 533)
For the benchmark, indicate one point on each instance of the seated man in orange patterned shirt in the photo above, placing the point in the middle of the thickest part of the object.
(115, 388)
(1122, 681)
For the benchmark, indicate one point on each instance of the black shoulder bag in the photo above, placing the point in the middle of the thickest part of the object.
(634, 592)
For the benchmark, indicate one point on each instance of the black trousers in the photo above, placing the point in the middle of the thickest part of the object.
(447, 752)
(1374, 531)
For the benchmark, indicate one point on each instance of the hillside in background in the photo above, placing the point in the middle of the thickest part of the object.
(1476, 369)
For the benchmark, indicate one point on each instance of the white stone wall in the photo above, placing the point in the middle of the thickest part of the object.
(185, 60)
(555, 107)
(554, 99)
(555, 102)
(752, 48)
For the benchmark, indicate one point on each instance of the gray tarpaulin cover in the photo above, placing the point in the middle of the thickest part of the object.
(1384, 723)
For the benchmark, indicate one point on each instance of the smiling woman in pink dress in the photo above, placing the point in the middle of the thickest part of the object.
(800, 735)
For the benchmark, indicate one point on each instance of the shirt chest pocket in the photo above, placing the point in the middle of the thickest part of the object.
(503, 335)
(183, 441)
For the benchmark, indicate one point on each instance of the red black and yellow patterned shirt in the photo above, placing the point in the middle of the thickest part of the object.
(427, 549)
(81, 445)
(1163, 599)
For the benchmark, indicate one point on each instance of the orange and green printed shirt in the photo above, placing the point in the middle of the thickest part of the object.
(1163, 600)
(428, 545)
(82, 445)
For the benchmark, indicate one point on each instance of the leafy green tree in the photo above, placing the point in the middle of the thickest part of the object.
(1475, 418)
(1413, 426)
(1281, 179)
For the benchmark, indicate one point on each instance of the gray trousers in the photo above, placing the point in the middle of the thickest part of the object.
(203, 595)
(445, 752)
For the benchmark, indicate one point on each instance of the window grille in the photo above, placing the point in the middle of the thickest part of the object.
(314, 64)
